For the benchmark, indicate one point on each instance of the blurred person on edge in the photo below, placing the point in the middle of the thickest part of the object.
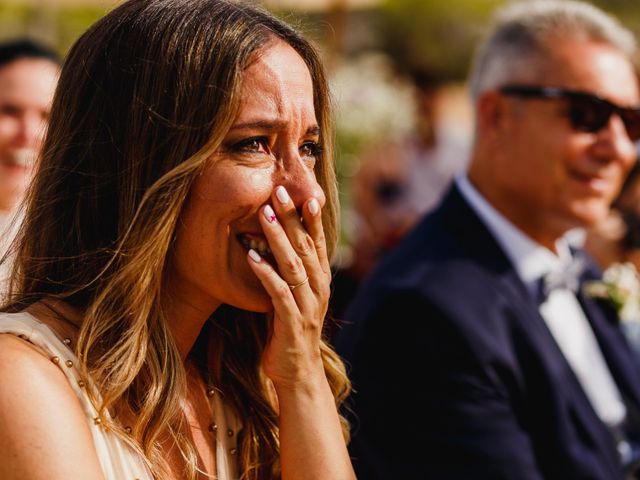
(28, 76)
(473, 350)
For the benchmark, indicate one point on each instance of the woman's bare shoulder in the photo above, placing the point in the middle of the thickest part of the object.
(22, 361)
(40, 412)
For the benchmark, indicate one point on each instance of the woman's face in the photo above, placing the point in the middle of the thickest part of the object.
(273, 141)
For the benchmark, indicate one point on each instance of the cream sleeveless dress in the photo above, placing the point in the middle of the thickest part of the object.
(118, 460)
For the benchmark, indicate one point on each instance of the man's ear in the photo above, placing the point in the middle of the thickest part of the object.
(491, 112)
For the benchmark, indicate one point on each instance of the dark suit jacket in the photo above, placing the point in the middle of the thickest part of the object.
(456, 375)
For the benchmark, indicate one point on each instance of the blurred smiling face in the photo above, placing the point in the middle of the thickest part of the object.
(548, 176)
(273, 141)
(26, 92)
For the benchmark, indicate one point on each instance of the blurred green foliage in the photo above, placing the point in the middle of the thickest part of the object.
(56, 26)
(74, 21)
(443, 35)
(436, 34)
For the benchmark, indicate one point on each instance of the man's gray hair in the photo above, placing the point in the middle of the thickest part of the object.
(523, 31)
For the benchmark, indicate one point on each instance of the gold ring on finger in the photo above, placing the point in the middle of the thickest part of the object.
(293, 287)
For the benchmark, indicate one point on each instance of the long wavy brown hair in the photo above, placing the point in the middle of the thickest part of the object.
(145, 97)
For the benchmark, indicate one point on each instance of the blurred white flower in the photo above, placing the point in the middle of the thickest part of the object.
(620, 285)
(372, 102)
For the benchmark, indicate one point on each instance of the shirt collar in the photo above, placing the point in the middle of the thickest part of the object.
(530, 259)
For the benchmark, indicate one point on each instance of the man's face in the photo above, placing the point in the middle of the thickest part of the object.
(547, 176)
(26, 91)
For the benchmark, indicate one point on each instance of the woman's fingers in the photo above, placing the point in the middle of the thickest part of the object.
(298, 285)
(290, 265)
(293, 246)
(275, 286)
(313, 222)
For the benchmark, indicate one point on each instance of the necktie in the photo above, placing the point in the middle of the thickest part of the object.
(567, 277)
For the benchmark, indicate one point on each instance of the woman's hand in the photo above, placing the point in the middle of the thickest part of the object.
(311, 446)
(299, 291)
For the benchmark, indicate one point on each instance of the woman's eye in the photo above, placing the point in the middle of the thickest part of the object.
(310, 149)
(252, 145)
(9, 110)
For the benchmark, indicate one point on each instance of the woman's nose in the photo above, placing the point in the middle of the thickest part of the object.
(300, 181)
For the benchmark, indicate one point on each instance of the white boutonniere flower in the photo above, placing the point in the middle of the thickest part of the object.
(620, 285)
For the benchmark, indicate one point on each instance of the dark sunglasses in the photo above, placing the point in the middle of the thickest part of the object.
(587, 112)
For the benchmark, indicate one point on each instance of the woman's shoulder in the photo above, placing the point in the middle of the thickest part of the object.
(39, 410)
(34, 356)
(26, 360)
(22, 337)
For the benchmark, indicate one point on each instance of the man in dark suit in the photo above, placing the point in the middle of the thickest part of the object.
(473, 351)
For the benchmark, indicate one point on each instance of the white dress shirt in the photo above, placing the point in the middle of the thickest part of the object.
(561, 310)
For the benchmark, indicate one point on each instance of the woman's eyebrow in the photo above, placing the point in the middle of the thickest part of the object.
(271, 126)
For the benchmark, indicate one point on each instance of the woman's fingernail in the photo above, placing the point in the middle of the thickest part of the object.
(314, 207)
(282, 195)
(255, 256)
(269, 214)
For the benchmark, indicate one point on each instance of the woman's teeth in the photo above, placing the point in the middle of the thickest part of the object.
(258, 245)
(24, 157)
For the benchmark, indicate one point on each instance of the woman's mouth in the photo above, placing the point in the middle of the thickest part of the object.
(23, 158)
(257, 243)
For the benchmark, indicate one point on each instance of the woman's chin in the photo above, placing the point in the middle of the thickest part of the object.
(258, 301)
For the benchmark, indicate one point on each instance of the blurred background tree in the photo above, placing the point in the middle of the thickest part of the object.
(414, 33)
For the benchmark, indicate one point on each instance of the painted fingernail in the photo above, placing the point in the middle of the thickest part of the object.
(282, 195)
(255, 256)
(314, 207)
(269, 214)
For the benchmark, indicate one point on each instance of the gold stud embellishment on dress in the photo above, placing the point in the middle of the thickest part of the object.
(213, 427)
(55, 360)
(67, 341)
(211, 392)
(81, 383)
(233, 451)
(230, 433)
(97, 421)
(128, 430)
(69, 363)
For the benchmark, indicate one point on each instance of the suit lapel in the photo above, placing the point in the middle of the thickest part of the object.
(484, 249)
(563, 376)
(616, 352)
(465, 225)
